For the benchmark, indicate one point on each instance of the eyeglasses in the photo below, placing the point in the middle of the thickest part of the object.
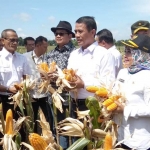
(60, 34)
(12, 40)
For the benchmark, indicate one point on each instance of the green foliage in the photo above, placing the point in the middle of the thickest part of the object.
(93, 105)
(79, 144)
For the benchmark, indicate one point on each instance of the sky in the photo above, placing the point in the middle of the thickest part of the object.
(37, 17)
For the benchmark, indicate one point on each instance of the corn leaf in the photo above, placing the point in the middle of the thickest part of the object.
(93, 105)
(79, 144)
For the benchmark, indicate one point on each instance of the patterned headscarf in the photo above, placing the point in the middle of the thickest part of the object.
(141, 61)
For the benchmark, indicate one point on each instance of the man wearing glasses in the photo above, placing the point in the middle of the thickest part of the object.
(13, 67)
(63, 34)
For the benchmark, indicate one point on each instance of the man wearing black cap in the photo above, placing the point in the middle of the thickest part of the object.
(63, 34)
(140, 27)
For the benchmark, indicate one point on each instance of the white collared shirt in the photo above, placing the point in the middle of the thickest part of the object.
(134, 122)
(92, 63)
(118, 58)
(33, 61)
(12, 68)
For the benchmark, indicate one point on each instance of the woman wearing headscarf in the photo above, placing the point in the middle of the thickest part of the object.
(133, 118)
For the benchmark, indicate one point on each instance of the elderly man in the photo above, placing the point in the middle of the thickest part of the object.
(13, 67)
(63, 34)
(29, 43)
(105, 39)
(34, 58)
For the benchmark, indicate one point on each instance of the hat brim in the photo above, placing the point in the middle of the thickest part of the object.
(60, 28)
(127, 44)
(140, 28)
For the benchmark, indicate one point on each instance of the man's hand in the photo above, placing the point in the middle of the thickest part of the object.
(52, 76)
(78, 83)
(12, 89)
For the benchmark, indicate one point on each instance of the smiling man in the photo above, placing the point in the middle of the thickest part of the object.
(63, 34)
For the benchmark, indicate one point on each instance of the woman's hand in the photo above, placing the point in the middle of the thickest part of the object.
(120, 107)
(12, 89)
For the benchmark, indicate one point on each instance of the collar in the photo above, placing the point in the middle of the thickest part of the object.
(67, 47)
(5, 53)
(35, 56)
(90, 48)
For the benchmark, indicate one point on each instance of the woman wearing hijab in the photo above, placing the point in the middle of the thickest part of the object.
(133, 118)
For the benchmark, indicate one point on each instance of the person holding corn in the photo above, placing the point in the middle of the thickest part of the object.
(133, 118)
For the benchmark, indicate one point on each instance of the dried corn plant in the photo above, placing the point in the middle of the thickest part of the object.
(46, 140)
(10, 129)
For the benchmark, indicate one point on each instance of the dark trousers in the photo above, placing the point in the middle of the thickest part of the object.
(80, 104)
(43, 104)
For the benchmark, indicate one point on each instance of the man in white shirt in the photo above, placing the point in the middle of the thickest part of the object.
(90, 60)
(34, 58)
(105, 39)
(13, 67)
(1, 44)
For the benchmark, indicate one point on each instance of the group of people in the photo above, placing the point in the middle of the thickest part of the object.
(96, 58)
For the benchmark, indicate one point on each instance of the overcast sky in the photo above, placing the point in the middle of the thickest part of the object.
(36, 17)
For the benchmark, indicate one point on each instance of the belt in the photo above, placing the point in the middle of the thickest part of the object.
(40, 99)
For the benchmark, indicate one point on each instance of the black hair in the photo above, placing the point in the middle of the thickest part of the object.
(28, 38)
(105, 35)
(88, 21)
(4, 32)
(40, 39)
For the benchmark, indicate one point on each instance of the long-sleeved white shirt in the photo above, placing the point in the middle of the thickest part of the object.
(134, 122)
(92, 63)
(12, 68)
(118, 58)
(33, 61)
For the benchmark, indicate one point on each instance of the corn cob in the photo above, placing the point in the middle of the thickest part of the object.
(69, 75)
(108, 142)
(44, 66)
(37, 142)
(9, 122)
(107, 102)
(92, 89)
(102, 92)
(112, 107)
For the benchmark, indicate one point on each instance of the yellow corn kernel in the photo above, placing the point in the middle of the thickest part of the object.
(92, 89)
(114, 97)
(9, 122)
(37, 142)
(107, 102)
(108, 144)
(102, 92)
(112, 107)
(44, 66)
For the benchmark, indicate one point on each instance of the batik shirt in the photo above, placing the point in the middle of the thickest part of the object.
(60, 56)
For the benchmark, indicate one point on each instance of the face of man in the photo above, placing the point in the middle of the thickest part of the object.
(11, 41)
(62, 37)
(1, 45)
(84, 37)
(42, 47)
(30, 45)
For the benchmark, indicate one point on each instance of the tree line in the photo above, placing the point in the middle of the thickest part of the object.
(74, 41)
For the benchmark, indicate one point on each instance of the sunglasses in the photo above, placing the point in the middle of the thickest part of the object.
(12, 40)
(60, 34)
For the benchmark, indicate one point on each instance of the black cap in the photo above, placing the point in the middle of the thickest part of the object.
(141, 42)
(64, 25)
(140, 25)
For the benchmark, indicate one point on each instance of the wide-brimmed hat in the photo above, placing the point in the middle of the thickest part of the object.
(140, 25)
(141, 42)
(64, 25)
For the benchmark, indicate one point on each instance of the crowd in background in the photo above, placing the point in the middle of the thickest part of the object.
(96, 55)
